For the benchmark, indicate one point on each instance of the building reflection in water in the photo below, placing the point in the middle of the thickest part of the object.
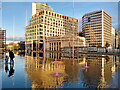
(42, 74)
(99, 74)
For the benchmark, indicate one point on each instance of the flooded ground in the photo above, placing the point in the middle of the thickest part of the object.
(56, 71)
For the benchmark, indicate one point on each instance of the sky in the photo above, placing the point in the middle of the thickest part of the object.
(18, 11)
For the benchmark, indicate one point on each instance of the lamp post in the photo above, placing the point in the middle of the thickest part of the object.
(13, 31)
(73, 32)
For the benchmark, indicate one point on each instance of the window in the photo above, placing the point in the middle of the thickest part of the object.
(67, 17)
(40, 25)
(88, 19)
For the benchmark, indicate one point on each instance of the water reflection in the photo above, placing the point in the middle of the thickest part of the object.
(57, 70)
(11, 72)
(9, 69)
(41, 74)
(6, 67)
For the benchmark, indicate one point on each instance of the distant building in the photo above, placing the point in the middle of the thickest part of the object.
(96, 27)
(9, 47)
(12, 46)
(57, 43)
(2, 41)
(114, 38)
(46, 23)
(119, 42)
(2, 38)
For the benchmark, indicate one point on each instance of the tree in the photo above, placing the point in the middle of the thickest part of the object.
(106, 46)
(80, 34)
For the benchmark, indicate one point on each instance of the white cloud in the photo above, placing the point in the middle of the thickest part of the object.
(7, 42)
(15, 39)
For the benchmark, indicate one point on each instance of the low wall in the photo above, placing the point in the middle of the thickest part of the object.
(91, 49)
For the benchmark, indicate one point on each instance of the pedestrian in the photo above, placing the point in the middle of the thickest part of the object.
(6, 59)
(11, 55)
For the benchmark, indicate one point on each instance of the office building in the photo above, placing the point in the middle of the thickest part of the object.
(2, 41)
(96, 27)
(2, 38)
(114, 38)
(46, 23)
(37, 7)
(119, 42)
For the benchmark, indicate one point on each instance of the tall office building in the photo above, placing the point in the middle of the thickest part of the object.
(46, 23)
(96, 27)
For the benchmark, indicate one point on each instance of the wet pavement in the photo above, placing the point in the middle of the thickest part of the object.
(55, 71)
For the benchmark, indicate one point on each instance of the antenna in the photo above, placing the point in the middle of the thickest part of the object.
(73, 31)
(44, 34)
(25, 33)
(1, 14)
(26, 17)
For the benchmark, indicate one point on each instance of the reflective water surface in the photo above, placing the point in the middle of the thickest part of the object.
(60, 71)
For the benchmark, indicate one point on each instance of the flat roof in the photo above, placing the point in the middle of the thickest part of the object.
(95, 12)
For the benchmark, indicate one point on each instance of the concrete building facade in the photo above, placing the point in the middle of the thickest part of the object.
(96, 27)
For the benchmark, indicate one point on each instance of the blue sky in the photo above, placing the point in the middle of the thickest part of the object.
(18, 10)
